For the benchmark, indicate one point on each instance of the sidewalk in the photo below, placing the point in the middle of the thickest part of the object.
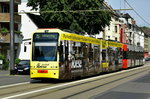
(4, 72)
(7, 79)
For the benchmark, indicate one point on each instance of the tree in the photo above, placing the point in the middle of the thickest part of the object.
(76, 15)
(144, 27)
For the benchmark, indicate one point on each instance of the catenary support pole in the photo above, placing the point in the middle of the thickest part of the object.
(12, 71)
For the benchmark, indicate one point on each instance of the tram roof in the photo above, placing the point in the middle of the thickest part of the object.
(69, 35)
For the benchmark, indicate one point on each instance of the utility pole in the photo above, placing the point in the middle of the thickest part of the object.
(12, 71)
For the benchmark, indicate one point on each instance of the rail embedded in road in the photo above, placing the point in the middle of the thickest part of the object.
(77, 88)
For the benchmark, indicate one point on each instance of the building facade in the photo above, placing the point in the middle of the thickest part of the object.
(27, 27)
(4, 23)
(146, 41)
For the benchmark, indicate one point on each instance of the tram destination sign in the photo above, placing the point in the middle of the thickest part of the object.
(45, 37)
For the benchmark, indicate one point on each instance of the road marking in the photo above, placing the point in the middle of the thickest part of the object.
(84, 80)
(14, 85)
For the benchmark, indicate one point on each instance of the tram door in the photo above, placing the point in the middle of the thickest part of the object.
(124, 60)
(104, 56)
(96, 58)
(64, 61)
(115, 58)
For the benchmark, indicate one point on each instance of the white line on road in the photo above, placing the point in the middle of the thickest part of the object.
(14, 85)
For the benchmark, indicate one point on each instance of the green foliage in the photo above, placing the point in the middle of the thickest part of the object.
(2, 57)
(5, 65)
(17, 61)
(82, 21)
(144, 27)
(5, 62)
(4, 31)
(18, 32)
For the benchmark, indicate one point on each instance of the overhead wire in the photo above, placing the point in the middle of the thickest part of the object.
(72, 11)
(137, 12)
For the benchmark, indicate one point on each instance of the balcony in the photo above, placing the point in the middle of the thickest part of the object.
(15, 1)
(6, 38)
(5, 17)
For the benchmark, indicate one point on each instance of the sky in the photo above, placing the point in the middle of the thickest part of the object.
(24, 0)
(142, 7)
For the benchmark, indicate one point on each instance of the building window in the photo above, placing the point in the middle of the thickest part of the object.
(116, 39)
(130, 34)
(108, 27)
(130, 26)
(130, 41)
(5, 8)
(116, 30)
(108, 37)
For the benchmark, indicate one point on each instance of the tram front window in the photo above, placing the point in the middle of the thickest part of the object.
(45, 52)
(45, 49)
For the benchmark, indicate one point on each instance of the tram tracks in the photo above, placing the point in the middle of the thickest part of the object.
(81, 88)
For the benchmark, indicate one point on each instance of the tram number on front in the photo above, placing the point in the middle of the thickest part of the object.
(76, 64)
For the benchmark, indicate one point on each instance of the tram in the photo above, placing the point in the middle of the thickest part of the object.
(62, 55)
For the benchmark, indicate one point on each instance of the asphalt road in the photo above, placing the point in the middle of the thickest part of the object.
(136, 89)
(99, 87)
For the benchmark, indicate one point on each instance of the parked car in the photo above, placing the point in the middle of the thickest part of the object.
(23, 67)
(147, 59)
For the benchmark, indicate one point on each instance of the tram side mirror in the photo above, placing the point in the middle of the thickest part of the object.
(25, 47)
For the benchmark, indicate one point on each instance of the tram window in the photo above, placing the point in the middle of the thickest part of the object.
(128, 54)
(131, 55)
(111, 55)
(134, 53)
(124, 54)
(96, 53)
(90, 53)
(45, 52)
(85, 52)
(140, 56)
(66, 53)
(66, 50)
(120, 53)
(103, 55)
(61, 52)
(78, 48)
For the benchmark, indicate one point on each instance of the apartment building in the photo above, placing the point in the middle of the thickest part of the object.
(146, 41)
(4, 23)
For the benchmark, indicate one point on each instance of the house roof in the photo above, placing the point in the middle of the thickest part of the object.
(38, 20)
(146, 31)
(127, 16)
